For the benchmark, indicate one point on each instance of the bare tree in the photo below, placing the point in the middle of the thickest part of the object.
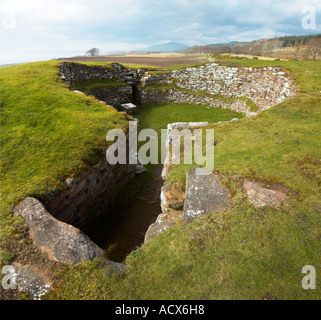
(93, 52)
(314, 48)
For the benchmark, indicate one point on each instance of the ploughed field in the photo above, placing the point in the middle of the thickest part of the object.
(150, 60)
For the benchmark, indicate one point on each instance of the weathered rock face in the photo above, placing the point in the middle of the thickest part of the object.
(172, 137)
(172, 202)
(261, 197)
(61, 241)
(204, 194)
(29, 279)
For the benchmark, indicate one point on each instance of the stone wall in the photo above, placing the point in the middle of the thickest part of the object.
(114, 96)
(152, 97)
(73, 72)
(89, 195)
(265, 86)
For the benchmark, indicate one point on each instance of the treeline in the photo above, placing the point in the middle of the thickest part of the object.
(289, 47)
(290, 41)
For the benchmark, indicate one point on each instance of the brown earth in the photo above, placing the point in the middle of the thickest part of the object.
(152, 60)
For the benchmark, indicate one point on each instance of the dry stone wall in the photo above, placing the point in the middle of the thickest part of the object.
(151, 97)
(89, 195)
(73, 72)
(113, 96)
(265, 86)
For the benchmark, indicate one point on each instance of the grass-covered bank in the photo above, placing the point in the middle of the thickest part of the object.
(47, 132)
(86, 85)
(138, 204)
(244, 253)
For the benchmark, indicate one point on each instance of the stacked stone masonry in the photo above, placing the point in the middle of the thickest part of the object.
(265, 86)
(89, 195)
(73, 72)
(113, 96)
(151, 97)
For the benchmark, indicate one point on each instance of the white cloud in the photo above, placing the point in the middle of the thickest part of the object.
(36, 29)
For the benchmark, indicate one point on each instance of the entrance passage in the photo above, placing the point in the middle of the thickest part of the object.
(123, 227)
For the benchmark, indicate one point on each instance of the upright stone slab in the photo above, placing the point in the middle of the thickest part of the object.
(61, 241)
(204, 194)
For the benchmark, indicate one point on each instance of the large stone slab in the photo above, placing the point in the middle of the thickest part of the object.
(261, 197)
(204, 194)
(61, 241)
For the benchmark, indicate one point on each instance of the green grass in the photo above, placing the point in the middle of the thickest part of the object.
(244, 253)
(125, 65)
(47, 132)
(157, 117)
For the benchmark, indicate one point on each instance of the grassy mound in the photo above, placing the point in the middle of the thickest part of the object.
(47, 132)
(244, 253)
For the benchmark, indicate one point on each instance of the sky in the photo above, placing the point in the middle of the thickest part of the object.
(33, 30)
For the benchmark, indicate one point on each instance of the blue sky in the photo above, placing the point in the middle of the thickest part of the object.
(32, 30)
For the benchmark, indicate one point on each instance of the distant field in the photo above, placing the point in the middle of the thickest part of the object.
(156, 60)
(9, 65)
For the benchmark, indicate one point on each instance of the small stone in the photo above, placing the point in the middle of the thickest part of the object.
(172, 198)
(261, 197)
